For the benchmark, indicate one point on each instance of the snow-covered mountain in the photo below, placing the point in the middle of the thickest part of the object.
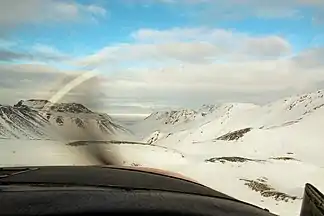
(174, 117)
(170, 122)
(22, 122)
(41, 119)
(260, 154)
(56, 107)
(226, 118)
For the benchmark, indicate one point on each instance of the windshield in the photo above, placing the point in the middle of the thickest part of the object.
(227, 93)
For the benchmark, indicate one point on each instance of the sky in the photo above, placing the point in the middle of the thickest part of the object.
(148, 55)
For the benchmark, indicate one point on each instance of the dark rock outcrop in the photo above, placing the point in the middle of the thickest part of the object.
(235, 135)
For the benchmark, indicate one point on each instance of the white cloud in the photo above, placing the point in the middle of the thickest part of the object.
(201, 65)
(46, 52)
(311, 58)
(96, 10)
(251, 76)
(214, 65)
(38, 52)
(266, 46)
(31, 67)
(43, 48)
(176, 51)
(189, 45)
(193, 84)
(175, 34)
(143, 89)
(23, 81)
(178, 67)
(271, 45)
(41, 81)
(16, 12)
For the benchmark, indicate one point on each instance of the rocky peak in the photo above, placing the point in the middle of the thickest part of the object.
(70, 108)
(38, 104)
(174, 116)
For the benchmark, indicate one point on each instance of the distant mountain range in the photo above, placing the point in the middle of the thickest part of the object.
(225, 118)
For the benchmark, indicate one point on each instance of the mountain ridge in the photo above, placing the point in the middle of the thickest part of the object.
(42, 119)
(222, 120)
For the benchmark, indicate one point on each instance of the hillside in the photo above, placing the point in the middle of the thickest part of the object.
(228, 118)
(40, 119)
(260, 154)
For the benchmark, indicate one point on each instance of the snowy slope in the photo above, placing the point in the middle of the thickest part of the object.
(238, 148)
(228, 118)
(22, 122)
(181, 120)
(31, 119)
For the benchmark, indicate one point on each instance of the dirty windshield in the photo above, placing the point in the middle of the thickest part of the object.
(227, 93)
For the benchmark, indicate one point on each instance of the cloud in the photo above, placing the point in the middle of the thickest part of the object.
(27, 68)
(192, 84)
(266, 46)
(22, 81)
(38, 52)
(184, 34)
(42, 81)
(190, 66)
(152, 53)
(180, 67)
(15, 12)
(189, 45)
(270, 45)
(9, 55)
(97, 10)
(143, 89)
(311, 58)
(46, 52)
